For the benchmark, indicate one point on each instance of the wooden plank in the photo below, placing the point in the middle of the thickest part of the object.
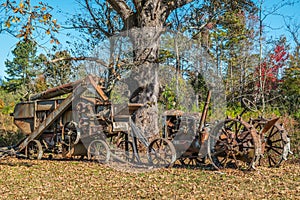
(98, 89)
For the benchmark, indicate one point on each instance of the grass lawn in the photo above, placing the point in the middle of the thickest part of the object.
(47, 179)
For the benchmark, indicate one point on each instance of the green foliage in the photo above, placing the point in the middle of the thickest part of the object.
(177, 94)
(290, 86)
(7, 101)
(8, 131)
(9, 138)
(59, 72)
(116, 97)
(169, 96)
(23, 69)
(199, 85)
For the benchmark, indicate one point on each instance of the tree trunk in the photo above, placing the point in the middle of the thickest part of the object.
(145, 25)
(146, 42)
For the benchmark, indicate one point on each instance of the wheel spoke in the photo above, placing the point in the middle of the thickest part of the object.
(279, 140)
(226, 160)
(246, 135)
(225, 132)
(161, 153)
(271, 160)
(99, 150)
(276, 147)
(276, 151)
(273, 142)
(34, 150)
(227, 150)
(235, 160)
(271, 132)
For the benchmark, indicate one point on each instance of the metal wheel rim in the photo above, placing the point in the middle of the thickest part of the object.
(273, 142)
(237, 152)
(98, 150)
(34, 150)
(126, 155)
(161, 152)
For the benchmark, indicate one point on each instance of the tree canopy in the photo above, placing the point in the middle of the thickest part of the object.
(230, 32)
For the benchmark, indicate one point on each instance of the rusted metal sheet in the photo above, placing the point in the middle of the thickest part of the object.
(49, 120)
(46, 105)
(52, 122)
(24, 110)
(24, 114)
(25, 125)
(56, 91)
(269, 125)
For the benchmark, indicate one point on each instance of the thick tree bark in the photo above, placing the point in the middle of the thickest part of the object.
(144, 27)
(146, 42)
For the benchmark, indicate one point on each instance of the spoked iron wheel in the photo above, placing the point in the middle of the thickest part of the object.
(192, 161)
(275, 143)
(34, 150)
(71, 135)
(231, 145)
(161, 153)
(99, 151)
(126, 148)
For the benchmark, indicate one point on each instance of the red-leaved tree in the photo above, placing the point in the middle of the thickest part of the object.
(268, 71)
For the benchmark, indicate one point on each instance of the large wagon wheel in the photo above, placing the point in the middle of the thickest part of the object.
(34, 150)
(127, 152)
(231, 145)
(99, 151)
(275, 143)
(161, 153)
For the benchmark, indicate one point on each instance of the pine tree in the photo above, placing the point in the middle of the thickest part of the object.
(22, 70)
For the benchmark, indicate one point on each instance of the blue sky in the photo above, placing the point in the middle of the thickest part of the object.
(8, 42)
(61, 10)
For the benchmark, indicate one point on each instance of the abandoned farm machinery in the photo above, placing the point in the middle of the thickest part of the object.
(78, 120)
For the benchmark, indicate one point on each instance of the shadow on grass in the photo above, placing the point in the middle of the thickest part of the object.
(17, 164)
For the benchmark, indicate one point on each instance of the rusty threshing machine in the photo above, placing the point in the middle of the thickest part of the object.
(84, 123)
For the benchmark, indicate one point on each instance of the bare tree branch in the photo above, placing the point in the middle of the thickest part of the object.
(294, 31)
(277, 7)
(177, 3)
(97, 60)
(95, 19)
(138, 5)
(121, 8)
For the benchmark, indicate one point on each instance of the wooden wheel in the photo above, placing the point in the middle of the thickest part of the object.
(99, 151)
(231, 145)
(34, 150)
(275, 143)
(161, 153)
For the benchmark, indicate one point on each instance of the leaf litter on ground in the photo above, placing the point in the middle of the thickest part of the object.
(58, 179)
